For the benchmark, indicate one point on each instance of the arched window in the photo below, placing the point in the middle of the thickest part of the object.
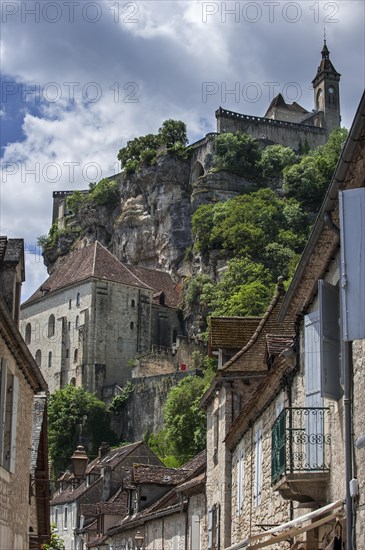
(28, 333)
(70, 304)
(73, 382)
(51, 326)
(38, 357)
(49, 359)
(77, 321)
(131, 325)
(197, 172)
(76, 353)
(78, 299)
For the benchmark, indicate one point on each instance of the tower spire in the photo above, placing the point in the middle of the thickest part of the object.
(325, 51)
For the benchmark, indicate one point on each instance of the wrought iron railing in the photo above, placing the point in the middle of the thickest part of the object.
(300, 441)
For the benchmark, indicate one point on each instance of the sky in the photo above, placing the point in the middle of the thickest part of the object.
(80, 78)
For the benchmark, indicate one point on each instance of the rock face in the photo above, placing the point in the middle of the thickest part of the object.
(151, 226)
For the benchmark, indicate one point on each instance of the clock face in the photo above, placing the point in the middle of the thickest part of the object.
(331, 90)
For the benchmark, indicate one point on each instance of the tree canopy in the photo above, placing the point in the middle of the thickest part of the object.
(184, 432)
(237, 153)
(69, 409)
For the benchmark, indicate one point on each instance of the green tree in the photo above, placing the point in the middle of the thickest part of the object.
(173, 132)
(184, 433)
(56, 542)
(69, 408)
(308, 180)
(274, 159)
(237, 153)
(104, 193)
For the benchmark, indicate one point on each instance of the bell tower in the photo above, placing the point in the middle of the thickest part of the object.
(326, 86)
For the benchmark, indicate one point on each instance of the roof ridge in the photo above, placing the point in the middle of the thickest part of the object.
(138, 279)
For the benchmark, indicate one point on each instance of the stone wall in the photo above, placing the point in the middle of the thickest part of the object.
(288, 134)
(14, 487)
(143, 411)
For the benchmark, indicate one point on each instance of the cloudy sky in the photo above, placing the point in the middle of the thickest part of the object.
(82, 77)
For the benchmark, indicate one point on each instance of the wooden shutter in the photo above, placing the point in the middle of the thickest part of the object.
(3, 385)
(329, 331)
(240, 467)
(314, 425)
(217, 526)
(258, 465)
(14, 420)
(195, 532)
(352, 238)
(210, 529)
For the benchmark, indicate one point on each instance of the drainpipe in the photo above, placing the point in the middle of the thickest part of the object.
(347, 402)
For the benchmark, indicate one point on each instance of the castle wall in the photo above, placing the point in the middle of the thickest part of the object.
(284, 133)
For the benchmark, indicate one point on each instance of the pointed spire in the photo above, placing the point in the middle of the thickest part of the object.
(325, 51)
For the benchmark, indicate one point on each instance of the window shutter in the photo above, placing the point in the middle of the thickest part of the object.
(210, 529)
(314, 453)
(329, 331)
(14, 418)
(195, 532)
(352, 239)
(218, 516)
(258, 466)
(3, 385)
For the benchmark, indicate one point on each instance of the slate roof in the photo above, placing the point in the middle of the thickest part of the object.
(231, 332)
(160, 281)
(95, 261)
(92, 261)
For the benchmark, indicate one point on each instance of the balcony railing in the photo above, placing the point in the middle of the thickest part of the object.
(300, 441)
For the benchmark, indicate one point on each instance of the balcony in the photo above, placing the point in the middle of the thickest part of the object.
(300, 454)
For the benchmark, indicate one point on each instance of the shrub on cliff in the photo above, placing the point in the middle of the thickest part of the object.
(237, 153)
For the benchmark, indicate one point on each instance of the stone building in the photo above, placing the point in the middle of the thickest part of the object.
(94, 314)
(176, 521)
(105, 490)
(24, 511)
(286, 413)
(286, 124)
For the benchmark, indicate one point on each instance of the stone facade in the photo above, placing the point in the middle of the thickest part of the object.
(24, 521)
(85, 325)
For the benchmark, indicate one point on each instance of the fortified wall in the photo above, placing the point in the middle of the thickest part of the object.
(290, 134)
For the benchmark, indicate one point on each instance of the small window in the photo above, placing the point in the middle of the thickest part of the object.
(75, 355)
(65, 517)
(51, 326)
(28, 333)
(38, 357)
(69, 325)
(162, 299)
(70, 304)
(77, 321)
(56, 519)
(67, 353)
(131, 325)
(73, 382)
(49, 359)
(133, 303)
(78, 299)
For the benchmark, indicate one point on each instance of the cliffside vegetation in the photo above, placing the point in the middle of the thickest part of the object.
(184, 432)
(74, 413)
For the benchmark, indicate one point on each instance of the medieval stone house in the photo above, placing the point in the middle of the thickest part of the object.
(94, 314)
(285, 442)
(24, 510)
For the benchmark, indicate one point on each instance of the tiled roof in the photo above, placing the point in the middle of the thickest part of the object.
(231, 332)
(112, 458)
(92, 261)
(158, 475)
(251, 358)
(160, 281)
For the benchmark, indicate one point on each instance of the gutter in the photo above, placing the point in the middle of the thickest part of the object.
(329, 202)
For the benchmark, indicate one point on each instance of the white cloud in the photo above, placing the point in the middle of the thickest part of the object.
(162, 61)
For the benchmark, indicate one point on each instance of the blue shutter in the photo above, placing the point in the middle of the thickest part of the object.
(352, 236)
(329, 332)
(314, 428)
